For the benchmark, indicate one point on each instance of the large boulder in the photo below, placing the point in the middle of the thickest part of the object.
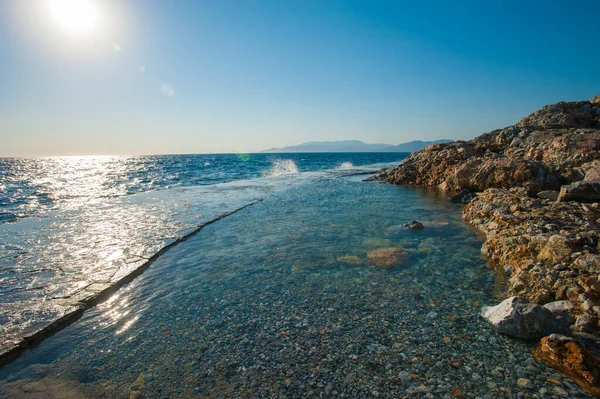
(519, 318)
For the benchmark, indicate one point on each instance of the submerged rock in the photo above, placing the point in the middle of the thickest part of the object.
(578, 358)
(386, 257)
(519, 318)
(413, 225)
(349, 259)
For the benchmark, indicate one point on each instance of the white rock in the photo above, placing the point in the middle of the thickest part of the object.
(517, 317)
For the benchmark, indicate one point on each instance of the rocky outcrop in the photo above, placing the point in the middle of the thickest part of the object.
(534, 190)
(549, 249)
(519, 318)
(554, 146)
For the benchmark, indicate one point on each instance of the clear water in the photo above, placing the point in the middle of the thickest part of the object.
(278, 300)
(71, 227)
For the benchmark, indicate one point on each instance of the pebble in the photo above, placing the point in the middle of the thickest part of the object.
(561, 392)
(524, 383)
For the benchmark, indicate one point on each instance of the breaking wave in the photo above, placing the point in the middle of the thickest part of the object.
(282, 167)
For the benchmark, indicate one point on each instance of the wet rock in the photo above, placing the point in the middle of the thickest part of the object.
(413, 225)
(548, 194)
(519, 318)
(582, 191)
(579, 358)
(386, 257)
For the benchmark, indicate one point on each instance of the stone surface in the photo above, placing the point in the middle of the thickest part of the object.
(386, 257)
(519, 318)
(582, 191)
(464, 197)
(576, 357)
(548, 194)
(561, 309)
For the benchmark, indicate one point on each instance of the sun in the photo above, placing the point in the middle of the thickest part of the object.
(75, 17)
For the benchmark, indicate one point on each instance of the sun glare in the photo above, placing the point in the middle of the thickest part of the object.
(75, 17)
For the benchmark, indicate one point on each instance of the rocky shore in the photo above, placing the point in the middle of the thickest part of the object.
(534, 190)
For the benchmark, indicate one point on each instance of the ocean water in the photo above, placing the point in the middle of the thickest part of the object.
(276, 300)
(72, 226)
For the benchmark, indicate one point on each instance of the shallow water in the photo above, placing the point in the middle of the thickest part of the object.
(278, 300)
(71, 227)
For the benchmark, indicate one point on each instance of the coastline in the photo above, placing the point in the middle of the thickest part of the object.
(11, 353)
(533, 190)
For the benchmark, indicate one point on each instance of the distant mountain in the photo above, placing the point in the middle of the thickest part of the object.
(354, 146)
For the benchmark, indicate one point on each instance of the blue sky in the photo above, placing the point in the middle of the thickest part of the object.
(240, 76)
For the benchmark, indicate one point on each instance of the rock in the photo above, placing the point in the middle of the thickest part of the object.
(592, 171)
(586, 323)
(556, 249)
(582, 191)
(464, 197)
(413, 225)
(578, 358)
(552, 195)
(405, 377)
(456, 363)
(386, 257)
(524, 383)
(592, 283)
(349, 259)
(561, 309)
(519, 318)
(540, 152)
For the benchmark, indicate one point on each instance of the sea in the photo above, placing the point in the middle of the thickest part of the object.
(257, 282)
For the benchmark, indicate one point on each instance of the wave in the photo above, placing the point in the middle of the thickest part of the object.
(281, 167)
(346, 165)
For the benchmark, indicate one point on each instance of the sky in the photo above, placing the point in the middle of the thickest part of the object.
(177, 76)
